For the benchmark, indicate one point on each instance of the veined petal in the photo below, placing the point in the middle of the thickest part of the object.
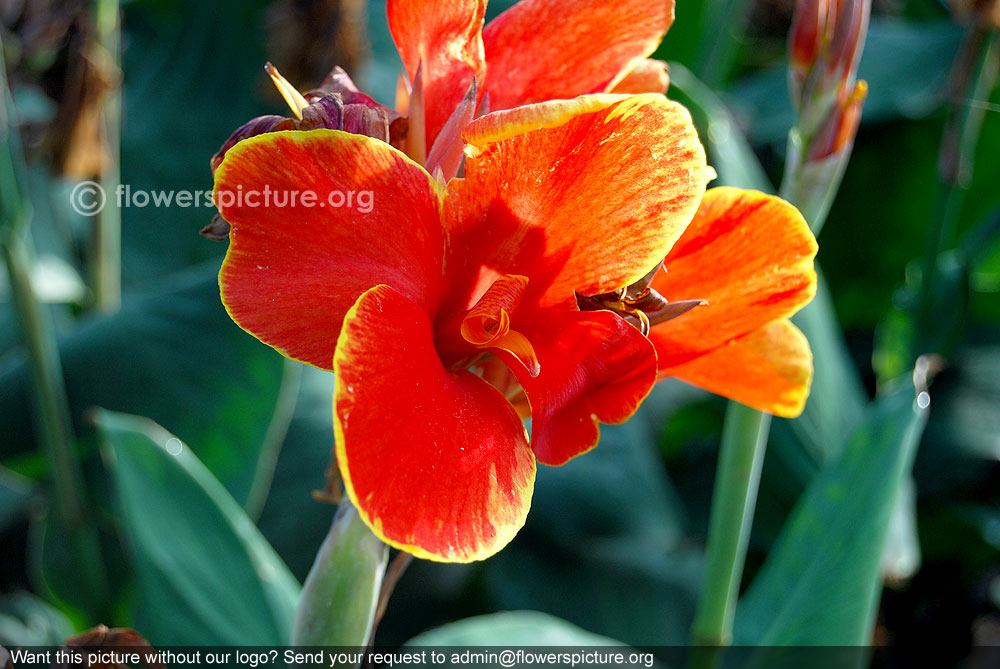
(554, 49)
(437, 463)
(578, 195)
(444, 39)
(750, 255)
(649, 76)
(769, 369)
(595, 368)
(293, 269)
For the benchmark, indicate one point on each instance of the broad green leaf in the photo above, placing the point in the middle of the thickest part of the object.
(80, 567)
(205, 574)
(511, 628)
(340, 595)
(821, 581)
(837, 398)
(172, 354)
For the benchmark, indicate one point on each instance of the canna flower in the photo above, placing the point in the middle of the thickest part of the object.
(531, 285)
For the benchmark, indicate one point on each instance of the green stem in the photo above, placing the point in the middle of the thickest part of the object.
(49, 392)
(976, 75)
(106, 243)
(744, 437)
(52, 408)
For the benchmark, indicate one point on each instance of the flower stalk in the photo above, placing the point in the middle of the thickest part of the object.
(341, 594)
(741, 455)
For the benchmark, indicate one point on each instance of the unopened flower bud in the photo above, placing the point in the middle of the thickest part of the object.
(837, 134)
(825, 46)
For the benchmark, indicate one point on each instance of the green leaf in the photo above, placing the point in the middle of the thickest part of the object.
(172, 354)
(821, 582)
(68, 565)
(837, 398)
(340, 596)
(205, 574)
(511, 628)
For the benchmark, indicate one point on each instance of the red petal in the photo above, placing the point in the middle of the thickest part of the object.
(437, 463)
(750, 255)
(553, 49)
(580, 195)
(444, 39)
(769, 369)
(594, 368)
(292, 272)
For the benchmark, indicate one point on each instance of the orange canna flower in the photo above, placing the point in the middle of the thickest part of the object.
(451, 308)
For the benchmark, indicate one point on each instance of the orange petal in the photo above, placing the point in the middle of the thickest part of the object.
(649, 76)
(750, 255)
(769, 369)
(293, 271)
(553, 49)
(437, 463)
(594, 368)
(445, 40)
(578, 195)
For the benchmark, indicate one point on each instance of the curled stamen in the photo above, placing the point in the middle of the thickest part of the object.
(487, 325)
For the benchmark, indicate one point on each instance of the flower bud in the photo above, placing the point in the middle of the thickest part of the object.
(825, 46)
(837, 134)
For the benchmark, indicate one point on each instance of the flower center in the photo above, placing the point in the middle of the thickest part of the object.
(487, 325)
(639, 304)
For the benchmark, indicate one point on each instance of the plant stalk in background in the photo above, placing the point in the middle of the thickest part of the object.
(106, 242)
(49, 391)
(974, 76)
